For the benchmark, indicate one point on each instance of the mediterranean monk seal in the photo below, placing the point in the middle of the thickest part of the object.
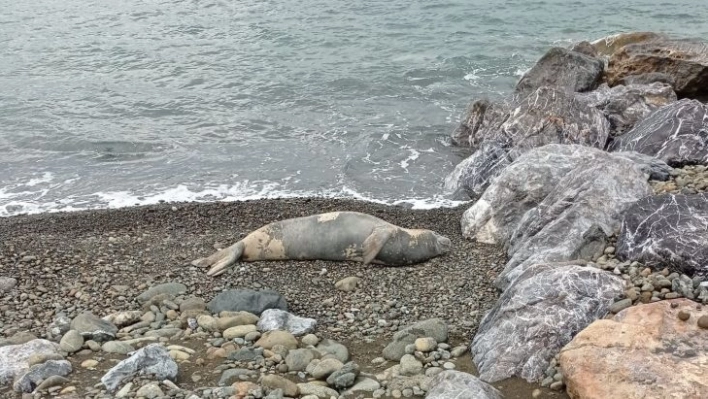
(332, 236)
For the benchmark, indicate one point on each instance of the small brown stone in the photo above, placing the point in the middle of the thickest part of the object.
(703, 322)
(683, 315)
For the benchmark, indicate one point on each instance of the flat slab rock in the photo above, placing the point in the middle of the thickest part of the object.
(451, 384)
(557, 203)
(276, 319)
(644, 352)
(676, 133)
(153, 360)
(667, 230)
(685, 61)
(539, 314)
(255, 302)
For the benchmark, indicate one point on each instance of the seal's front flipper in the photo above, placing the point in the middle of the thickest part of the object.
(374, 242)
(221, 260)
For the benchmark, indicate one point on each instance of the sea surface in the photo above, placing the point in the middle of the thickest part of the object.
(107, 104)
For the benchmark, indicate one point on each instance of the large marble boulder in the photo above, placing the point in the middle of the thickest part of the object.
(537, 315)
(472, 176)
(557, 203)
(667, 231)
(563, 69)
(644, 351)
(624, 106)
(481, 122)
(676, 133)
(452, 384)
(683, 60)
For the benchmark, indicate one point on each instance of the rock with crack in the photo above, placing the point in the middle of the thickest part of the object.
(563, 69)
(676, 133)
(14, 359)
(276, 319)
(153, 360)
(645, 351)
(669, 230)
(539, 314)
(686, 61)
(624, 106)
(558, 203)
(451, 384)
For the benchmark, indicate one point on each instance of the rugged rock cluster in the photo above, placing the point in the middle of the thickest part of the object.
(591, 176)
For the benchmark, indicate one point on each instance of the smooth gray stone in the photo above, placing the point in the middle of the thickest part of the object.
(230, 376)
(153, 360)
(676, 133)
(335, 349)
(91, 327)
(667, 230)
(435, 328)
(538, 314)
(7, 283)
(451, 384)
(344, 377)
(563, 69)
(247, 300)
(173, 289)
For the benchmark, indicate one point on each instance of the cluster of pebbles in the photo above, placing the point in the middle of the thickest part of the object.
(255, 357)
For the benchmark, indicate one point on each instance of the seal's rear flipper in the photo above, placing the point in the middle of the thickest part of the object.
(374, 242)
(221, 260)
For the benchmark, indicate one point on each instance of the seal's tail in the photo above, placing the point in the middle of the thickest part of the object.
(221, 260)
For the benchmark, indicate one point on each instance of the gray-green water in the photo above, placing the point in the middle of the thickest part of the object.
(106, 104)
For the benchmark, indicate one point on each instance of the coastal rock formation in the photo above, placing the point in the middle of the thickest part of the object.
(537, 315)
(608, 45)
(624, 105)
(451, 384)
(557, 203)
(648, 351)
(501, 133)
(563, 69)
(684, 61)
(472, 176)
(667, 231)
(676, 133)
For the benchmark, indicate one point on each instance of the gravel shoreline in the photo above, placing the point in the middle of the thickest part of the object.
(101, 260)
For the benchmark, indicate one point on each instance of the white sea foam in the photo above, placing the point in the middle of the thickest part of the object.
(414, 155)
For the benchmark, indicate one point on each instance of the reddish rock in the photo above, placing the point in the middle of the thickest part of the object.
(645, 352)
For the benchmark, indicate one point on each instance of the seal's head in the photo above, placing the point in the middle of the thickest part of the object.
(442, 244)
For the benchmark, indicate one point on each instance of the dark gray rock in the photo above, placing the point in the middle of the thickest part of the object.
(344, 377)
(472, 176)
(565, 70)
(585, 48)
(648, 78)
(247, 300)
(14, 358)
(434, 328)
(667, 231)
(276, 319)
(173, 289)
(538, 314)
(39, 372)
(624, 106)
(676, 133)
(451, 384)
(91, 327)
(230, 376)
(245, 354)
(556, 203)
(683, 60)
(153, 360)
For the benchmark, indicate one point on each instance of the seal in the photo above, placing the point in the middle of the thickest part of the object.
(335, 236)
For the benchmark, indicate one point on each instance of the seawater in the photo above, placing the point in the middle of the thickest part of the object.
(112, 104)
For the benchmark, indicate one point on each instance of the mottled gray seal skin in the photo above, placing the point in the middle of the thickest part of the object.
(335, 236)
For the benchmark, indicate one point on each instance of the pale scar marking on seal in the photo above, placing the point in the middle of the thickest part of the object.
(264, 244)
(327, 217)
(351, 252)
